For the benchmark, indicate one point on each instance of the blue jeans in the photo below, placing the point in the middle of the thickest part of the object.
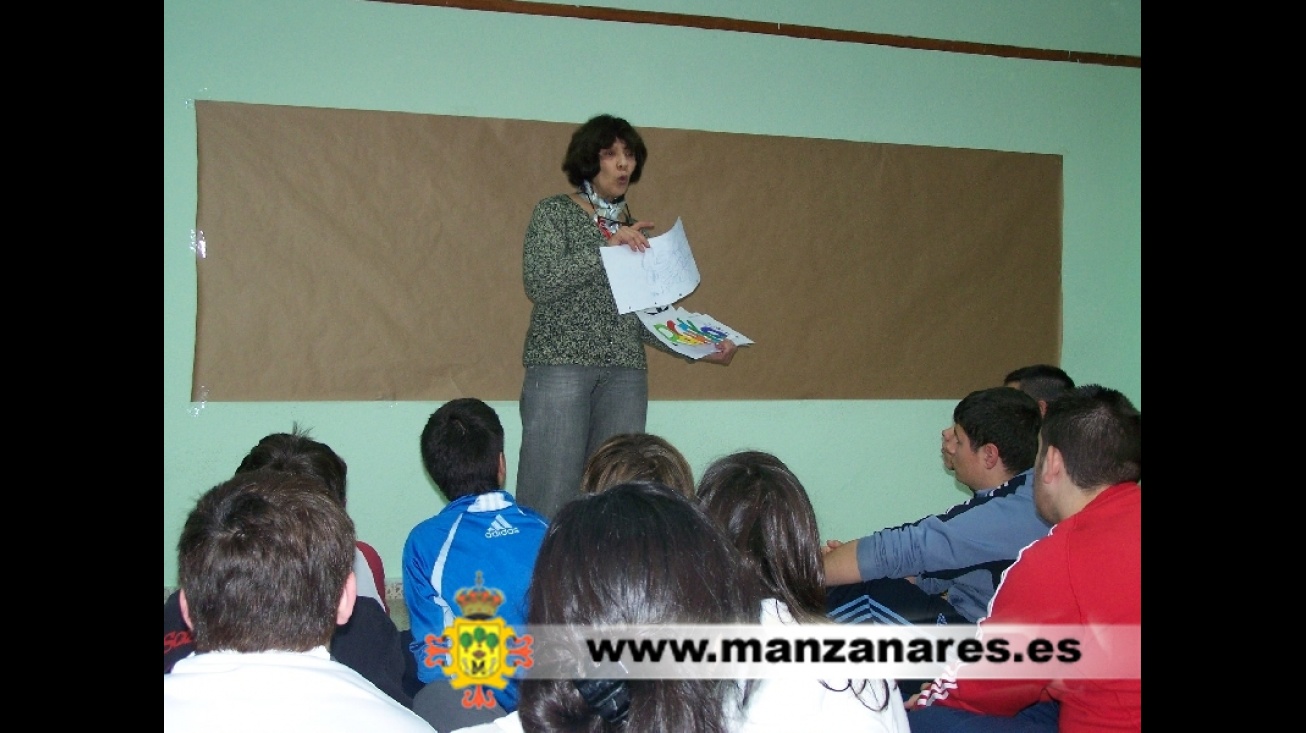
(566, 413)
(1038, 718)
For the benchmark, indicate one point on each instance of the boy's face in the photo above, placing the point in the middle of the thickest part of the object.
(967, 460)
(948, 447)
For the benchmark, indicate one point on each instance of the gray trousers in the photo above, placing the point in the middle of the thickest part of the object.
(566, 413)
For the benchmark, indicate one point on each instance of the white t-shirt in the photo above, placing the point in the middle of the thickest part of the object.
(780, 705)
(233, 692)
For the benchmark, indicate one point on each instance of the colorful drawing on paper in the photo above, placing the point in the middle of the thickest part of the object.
(693, 334)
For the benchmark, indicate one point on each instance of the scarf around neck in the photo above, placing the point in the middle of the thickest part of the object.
(608, 215)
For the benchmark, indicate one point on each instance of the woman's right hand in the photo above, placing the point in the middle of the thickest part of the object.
(631, 236)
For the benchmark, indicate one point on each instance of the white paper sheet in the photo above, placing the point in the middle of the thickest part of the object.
(658, 276)
(693, 334)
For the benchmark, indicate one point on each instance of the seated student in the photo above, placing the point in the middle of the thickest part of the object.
(764, 509)
(481, 531)
(636, 457)
(370, 643)
(636, 553)
(296, 452)
(1086, 572)
(621, 458)
(1043, 382)
(944, 568)
(265, 568)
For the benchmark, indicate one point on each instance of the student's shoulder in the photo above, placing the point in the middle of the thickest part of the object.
(438, 525)
(1019, 486)
(1001, 498)
(532, 516)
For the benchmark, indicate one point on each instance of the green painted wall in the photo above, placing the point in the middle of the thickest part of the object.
(867, 464)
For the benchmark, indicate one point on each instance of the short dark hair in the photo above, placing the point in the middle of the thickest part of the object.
(295, 452)
(766, 512)
(1006, 417)
(636, 457)
(639, 553)
(1099, 433)
(263, 559)
(1041, 381)
(461, 445)
(581, 163)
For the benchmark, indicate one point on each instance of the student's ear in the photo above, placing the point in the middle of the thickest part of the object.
(503, 469)
(348, 597)
(989, 452)
(185, 609)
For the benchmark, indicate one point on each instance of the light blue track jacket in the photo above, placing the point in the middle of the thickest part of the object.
(488, 533)
(963, 551)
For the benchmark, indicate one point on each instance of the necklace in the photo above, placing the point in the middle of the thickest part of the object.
(608, 215)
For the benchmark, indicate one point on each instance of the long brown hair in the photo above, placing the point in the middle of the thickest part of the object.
(764, 509)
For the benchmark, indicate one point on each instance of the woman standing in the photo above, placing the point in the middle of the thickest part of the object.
(586, 371)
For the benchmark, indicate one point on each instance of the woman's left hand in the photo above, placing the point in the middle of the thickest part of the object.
(725, 352)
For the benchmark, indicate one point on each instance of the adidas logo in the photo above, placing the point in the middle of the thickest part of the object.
(500, 527)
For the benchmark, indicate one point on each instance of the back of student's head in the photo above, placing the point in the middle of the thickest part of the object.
(461, 447)
(263, 559)
(639, 553)
(636, 457)
(1006, 417)
(295, 452)
(1099, 433)
(766, 512)
(647, 545)
(1040, 381)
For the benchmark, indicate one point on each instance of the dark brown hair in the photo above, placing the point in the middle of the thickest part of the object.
(1006, 417)
(581, 163)
(638, 553)
(295, 452)
(461, 445)
(1099, 433)
(263, 559)
(765, 511)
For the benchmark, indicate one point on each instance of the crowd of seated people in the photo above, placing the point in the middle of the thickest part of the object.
(1054, 472)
